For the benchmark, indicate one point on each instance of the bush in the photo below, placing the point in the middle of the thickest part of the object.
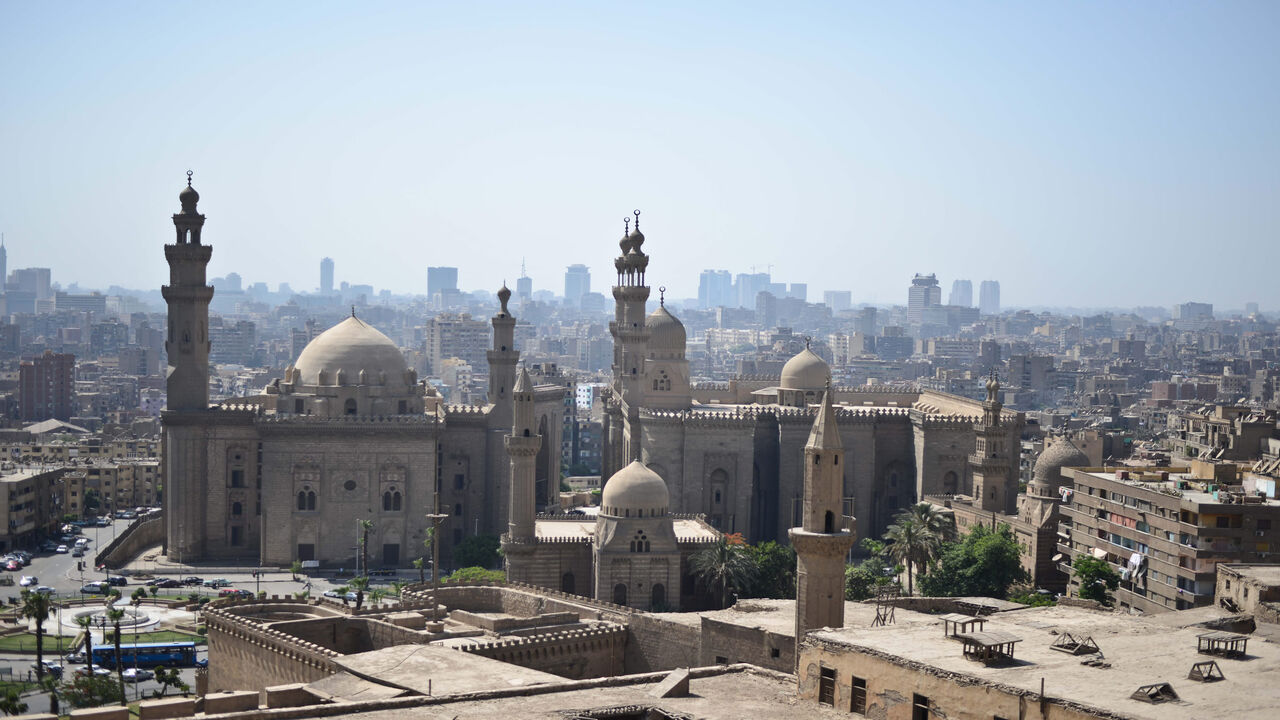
(1096, 577)
(477, 551)
(986, 563)
(475, 574)
(92, 691)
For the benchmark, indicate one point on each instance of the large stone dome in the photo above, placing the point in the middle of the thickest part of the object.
(805, 371)
(1062, 453)
(635, 491)
(666, 332)
(350, 348)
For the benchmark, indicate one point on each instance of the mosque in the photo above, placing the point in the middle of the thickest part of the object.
(348, 434)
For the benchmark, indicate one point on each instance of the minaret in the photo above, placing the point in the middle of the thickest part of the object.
(522, 447)
(188, 297)
(502, 361)
(821, 543)
(630, 334)
(992, 489)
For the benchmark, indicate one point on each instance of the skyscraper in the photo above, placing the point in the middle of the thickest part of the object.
(837, 300)
(4, 263)
(989, 297)
(715, 289)
(577, 282)
(961, 293)
(326, 276)
(524, 286)
(924, 293)
(440, 279)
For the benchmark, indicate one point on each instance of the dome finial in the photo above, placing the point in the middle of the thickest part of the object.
(189, 174)
(807, 339)
(662, 296)
(353, 311)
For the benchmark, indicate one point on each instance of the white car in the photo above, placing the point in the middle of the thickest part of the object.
(137, 675)
(29, 580)
(63, 549)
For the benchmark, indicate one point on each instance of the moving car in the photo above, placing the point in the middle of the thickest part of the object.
(235, 592)
(78, 552)
(137, 675)
(117, 580)
(52, 667)
(216, 582)
(192, 580)
(62, 549)
(29, 580)
(95, 588)
(98, 671)
(44, 590)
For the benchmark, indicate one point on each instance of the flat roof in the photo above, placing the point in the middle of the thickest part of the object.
(1265, 574)
(1170, 486)
(430, 669)
(1140, 652)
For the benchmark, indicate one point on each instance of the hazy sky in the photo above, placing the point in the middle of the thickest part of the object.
(1081, 153)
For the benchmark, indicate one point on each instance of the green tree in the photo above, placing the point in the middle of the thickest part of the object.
(421, 565)
(115, 615)
(476, 574)
(169, 678)
(984, 563)
(92, 503)
(295, 569)
(774, 571)
(1096, 578)
(477, 551)
(723, 566)
(86, 626)
(361, 585)
(91, 691)
(365, 527)
(11, 703)
(933, 519)
(37, 606)
(377, 595)
(862, 579)
(912, 544)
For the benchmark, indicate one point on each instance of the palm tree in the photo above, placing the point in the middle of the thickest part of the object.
(115, 615)
(36, 606)
(86, 623)
(933, 519)
(421, 565)
(360, 584)
(723, 565)
(911, 544)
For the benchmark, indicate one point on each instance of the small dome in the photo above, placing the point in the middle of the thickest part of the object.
(347, 349)
(805, 371)
(1062, 453)
(188, 197)
(635, 488)
(666, 332)
(636, 239)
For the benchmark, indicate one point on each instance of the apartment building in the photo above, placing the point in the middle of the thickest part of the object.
(1165, 530)
(31, 500)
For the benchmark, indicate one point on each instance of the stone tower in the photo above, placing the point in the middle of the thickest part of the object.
(993, 490)
(187, 347)
(821, 542)
(502, 361)
(187, 297)
(522, 446)
(630, 337)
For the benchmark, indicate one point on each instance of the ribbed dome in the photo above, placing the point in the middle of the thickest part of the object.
(1062, 453)
(805, 371)
(635, 488)
(350, 347)
(666, 332)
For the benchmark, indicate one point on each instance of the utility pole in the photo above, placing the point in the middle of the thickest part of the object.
(435, 517)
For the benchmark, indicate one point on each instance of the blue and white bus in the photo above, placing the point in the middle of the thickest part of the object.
(169, 654)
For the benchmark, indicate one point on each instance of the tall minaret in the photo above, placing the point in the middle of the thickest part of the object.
(187, 295)
(821, 543)
(502, 361)
(992, 488)
(630, 335)
(522, 447)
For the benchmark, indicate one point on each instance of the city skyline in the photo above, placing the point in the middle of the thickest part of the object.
(847, 148)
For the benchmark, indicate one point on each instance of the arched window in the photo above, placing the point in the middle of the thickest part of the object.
(620, 594)
(386, 501)
(659, 596)
(311, 500)
(829, 523)
(302, 500)
(237, 509)
(950, 483)
(350, 407)
(395, 501)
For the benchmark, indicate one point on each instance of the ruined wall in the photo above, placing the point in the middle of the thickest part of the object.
(655, 644)
(575, 654)
(246, 656)
(729, 643)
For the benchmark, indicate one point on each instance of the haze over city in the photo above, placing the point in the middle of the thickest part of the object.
(1083, 154)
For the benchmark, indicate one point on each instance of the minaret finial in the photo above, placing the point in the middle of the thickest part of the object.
(662, 296)
(189, 174)
(806, 342)
(637, 214)
(626, 226)
(353, 311)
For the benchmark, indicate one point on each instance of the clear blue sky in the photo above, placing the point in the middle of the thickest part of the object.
(1081, 153)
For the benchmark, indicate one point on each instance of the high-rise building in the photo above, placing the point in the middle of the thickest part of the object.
(4, 263)
(449, 335)
(838, 300)
(577, 282)
(961, 293)
(46, 387)
(924, 293)
(441, 279)
(1193, 312)
(989, 297)
(326, 276)
(750, 285)
(799, 291)
(715, 289)
(32, 280)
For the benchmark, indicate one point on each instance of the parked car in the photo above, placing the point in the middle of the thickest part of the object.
(78, 552)
(168, 583)
(14, 564)
(29, 580)
(44, 590)
(74, 657)
(24, 556)
(235, 592)
(117, 580)
(51, 667)
(63, 549)
(98, 671)
(216, 582)
(192, 580)
(134, 675)
(95, 588)
(82, 542)
(48, 546)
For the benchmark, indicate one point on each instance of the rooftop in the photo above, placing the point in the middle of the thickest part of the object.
(583, 527)
(1176, 482)
(1139, 651)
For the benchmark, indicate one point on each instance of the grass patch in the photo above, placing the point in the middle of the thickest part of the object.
(26, 642)
(20, 686)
